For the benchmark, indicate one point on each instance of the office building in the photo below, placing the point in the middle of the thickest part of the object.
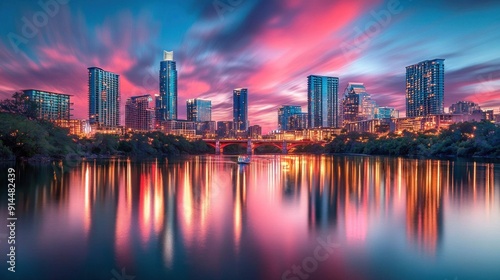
(255, 132)
(166, 101)
(138, 114)
(425, 88)
(240, 109)
(386, 113)
(298, 121)
(464, 107)
(285, 112)
(322, 99)
(183, 128)
(199, 110)
(50, 106)
(104, 98)
(357, 104)
(225, 129)
(206, 129)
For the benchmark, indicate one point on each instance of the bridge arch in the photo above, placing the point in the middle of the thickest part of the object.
(251, 145)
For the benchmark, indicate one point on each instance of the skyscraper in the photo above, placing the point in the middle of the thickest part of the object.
(240, 109)
(285, 112)
(357, 104)
(166, 102)
(322, 101)
(50, 106)
(138, 115)
(425, 88)
(104, 98)
(199, 110)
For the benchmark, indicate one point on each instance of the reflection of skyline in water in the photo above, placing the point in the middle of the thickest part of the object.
(191, 209)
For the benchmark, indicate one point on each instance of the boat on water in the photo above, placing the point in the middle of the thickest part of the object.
(244, 159)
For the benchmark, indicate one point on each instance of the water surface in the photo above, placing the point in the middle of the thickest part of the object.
(281, 217)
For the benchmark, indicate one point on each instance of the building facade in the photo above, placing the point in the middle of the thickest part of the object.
(357, 104)
(464, 107)
(206, 129)
(285, 112)
(386, 113)
(425, 88)
(225, 129)
(298, 121)
(183, 128)
(322, 101)
(240, 109)
(166, 101)
(199, 110)
(50, 106)
(139, 116)
(104, 98)
(378, 126)
(255, 132)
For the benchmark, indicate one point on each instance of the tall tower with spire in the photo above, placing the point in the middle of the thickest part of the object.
(166, 101)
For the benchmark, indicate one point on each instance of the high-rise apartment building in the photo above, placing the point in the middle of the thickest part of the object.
(104, 98)
(323, 105)
(50, 106)
(357, 104)
(425, 88)
(166, 101)
(139, 116)
(240, 109)
(199, 110)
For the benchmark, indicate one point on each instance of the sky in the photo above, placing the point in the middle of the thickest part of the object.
(267, 46)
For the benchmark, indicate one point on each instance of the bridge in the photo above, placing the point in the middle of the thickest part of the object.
(251, 144)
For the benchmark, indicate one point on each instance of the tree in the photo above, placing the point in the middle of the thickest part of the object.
(20, 104)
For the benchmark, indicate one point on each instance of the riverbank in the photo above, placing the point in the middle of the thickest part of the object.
(27, 139)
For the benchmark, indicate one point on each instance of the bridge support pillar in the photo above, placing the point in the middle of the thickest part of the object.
(249, 147)
(217, 148)
(284, 148)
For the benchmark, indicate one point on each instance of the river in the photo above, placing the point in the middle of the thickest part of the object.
(280, 217)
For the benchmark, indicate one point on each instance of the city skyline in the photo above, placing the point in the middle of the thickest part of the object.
(219, 50)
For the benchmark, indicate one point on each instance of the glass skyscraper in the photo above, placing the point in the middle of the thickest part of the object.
(357, 104)
(104, 98)
(240, 109)
(199, 110)
(50, 106)
(425, 88)
(322, 101)
(166, 102)
(285, 112)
